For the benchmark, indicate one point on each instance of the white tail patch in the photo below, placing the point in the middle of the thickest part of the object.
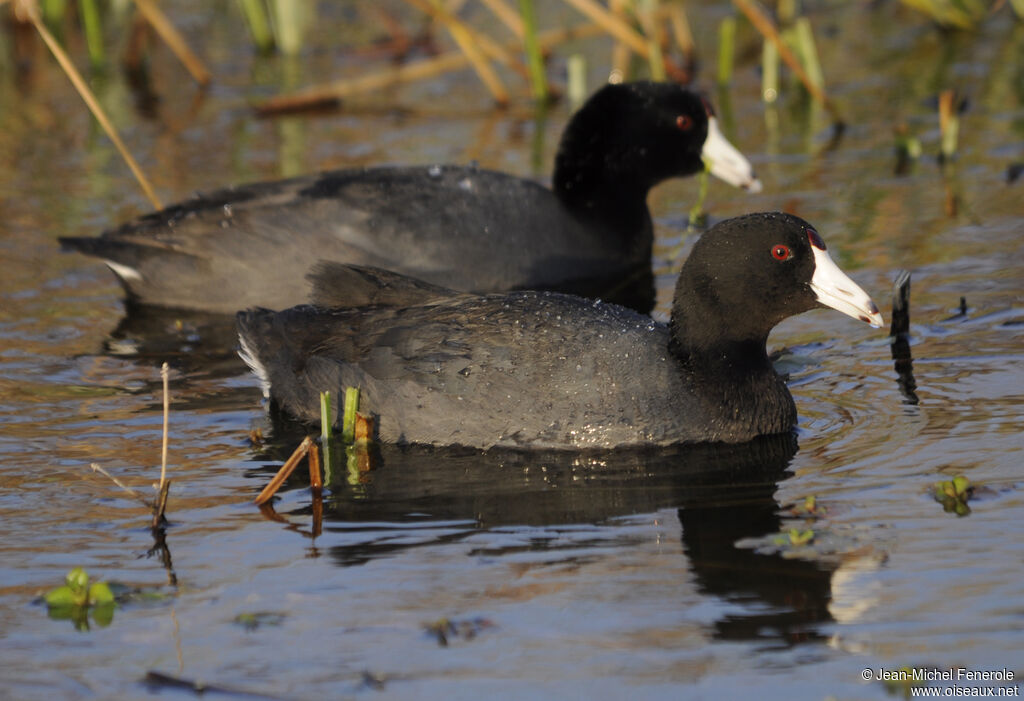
(123, 271)
(252, 360)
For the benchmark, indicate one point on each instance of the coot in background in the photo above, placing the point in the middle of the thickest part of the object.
(458, 226)
(549, 370)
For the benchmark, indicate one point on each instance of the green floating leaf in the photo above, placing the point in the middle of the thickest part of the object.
(252, 621)
(63, 596)
(960, 485)
(100, 594)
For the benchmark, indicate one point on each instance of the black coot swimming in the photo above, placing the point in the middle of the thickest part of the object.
(549, 370)
(459, 226)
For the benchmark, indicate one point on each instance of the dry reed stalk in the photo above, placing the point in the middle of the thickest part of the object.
(621, 54)
(331, 93)
(470, 43)
(285, 472)
(165, 376)
(174, 41)
(315, 478)
(29, 9)
(509, 17)
(682, 32)
(767, 29)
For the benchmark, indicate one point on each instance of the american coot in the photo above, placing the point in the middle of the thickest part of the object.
(549, 370)
(465, 228)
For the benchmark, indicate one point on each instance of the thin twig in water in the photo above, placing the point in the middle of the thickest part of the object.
(96, 468)
(165, 374)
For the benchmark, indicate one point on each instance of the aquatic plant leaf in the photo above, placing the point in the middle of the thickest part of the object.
(64, 596)
(100, 594)
(77, 579)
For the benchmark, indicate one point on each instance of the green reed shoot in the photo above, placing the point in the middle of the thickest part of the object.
(326, 428)
(259, 24)
(769, 72)
(93, 32)
(808, 52)
(348, 424)
(577, 88)
(726, 49)
(535, 60)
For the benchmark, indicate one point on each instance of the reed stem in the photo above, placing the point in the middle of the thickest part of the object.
(175, 42)
(535, 60)
(768, 30)
(326, 431)
(90, 100)
(93, 32)
(165, 376)
(348, 426)
(726, 50)
(259, 24)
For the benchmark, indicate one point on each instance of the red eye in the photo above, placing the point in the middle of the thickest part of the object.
(781, 252)
(684, 122)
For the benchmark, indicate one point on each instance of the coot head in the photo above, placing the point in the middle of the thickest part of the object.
(747, 274)
(628, 137)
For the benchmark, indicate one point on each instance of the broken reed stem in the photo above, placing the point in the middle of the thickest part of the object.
(535, 60)
(315, 479)
(90, 100)
(900, 322)
(174, 41)
(285, 472)
(160, 504)
(767, 29)
(165, 375)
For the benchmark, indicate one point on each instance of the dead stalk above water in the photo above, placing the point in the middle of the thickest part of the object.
(602, 22)
(767, 28)
(29, 9)
(285, 472)
(158, 505)
(175, 42)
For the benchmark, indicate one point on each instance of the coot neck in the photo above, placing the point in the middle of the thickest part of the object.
(734, 381)
(603, 192)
